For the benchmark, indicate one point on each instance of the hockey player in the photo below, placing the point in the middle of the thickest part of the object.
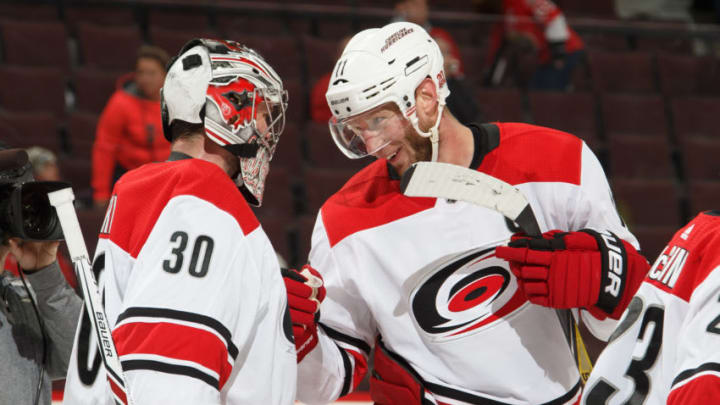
(665, 349)
(419, 279)
(192, 286)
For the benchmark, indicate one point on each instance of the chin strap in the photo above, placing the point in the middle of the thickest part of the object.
(433, 133)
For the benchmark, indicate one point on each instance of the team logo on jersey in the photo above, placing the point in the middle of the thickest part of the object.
(467, 292)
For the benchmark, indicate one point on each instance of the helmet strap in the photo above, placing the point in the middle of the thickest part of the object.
(433, 133)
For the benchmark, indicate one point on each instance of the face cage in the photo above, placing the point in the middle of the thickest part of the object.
(275, 105)
(349, 138)
(254, 170)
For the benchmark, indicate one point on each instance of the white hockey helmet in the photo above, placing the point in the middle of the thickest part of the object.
(381, 65)
(222, 84)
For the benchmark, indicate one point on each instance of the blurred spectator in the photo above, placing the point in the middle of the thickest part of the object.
(45, 168)
(417, 11)
(461, 101)
(44, 164)
(319, 110)
(129, 132)
(541, 25)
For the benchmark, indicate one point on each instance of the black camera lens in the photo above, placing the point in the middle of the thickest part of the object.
(37, 215)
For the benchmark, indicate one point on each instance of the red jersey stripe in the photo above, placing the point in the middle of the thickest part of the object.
(175, 341)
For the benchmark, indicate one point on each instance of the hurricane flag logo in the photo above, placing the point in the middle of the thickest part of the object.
(468, 291)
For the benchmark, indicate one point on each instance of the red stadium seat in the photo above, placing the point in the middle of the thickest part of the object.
(320, 56)
(653, 239)
(570, 112)
(702, 158)
(110, 14)
(280, 51)
(645, 202)
(242, 23)
(289, 153)
(189, 20)
(78, 172)
(703, 196)
(90, 222)
(297, 101)
(688, 75)
(505, 105)
(622, 71)
(32, 89)
(93, 88)
(695, 116)
(36, 44)
(640, 157)
(277, 228)
(634, 114)
(320, 184)
(277, 197)
(172, 40)
(306, 224)
(81, 129)
(33, 129)
(108, 47)
(29, 11)
(586, 8)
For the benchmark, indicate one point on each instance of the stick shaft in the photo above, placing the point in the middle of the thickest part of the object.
(62, 200)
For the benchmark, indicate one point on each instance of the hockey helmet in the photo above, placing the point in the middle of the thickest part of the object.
(224, 86)
(382, 65)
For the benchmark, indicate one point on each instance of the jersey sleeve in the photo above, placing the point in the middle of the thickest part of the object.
(196, 311)
(339, 361)
(696, 374)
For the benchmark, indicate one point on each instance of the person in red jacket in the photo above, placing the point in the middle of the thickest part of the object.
(129, 132)
(541, 24)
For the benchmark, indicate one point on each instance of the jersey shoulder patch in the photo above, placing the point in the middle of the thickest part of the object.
(368, 200)
(142, 194)
(690, 256)
(530, 153)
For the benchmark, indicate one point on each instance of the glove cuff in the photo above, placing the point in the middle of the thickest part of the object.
(613, 276)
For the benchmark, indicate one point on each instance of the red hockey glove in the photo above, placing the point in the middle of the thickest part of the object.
(305, 291)
(393, 381)
(584, 269)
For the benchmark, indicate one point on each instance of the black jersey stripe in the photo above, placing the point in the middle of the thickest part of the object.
(339, 336)
(154, 365)
(165, 313)
(687, 374)
(478, 400)
(347, 365)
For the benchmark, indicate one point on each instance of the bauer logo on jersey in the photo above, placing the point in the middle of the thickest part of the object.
(463, 294)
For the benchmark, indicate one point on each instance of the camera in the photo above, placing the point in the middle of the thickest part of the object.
(25, 210)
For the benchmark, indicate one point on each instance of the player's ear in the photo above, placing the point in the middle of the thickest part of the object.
(426, 101)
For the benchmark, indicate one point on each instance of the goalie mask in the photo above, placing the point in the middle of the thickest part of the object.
(238, 98)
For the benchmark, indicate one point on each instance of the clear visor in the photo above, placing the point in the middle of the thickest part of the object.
(366, 134)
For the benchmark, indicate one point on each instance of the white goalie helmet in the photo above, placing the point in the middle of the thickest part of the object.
(378, 66)
(223, 85)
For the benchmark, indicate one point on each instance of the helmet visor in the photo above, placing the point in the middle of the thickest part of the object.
(366, 134)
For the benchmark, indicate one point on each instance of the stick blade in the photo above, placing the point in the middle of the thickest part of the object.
(444, 180)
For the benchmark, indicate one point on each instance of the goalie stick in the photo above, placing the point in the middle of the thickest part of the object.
(62, 200)
(452, 182)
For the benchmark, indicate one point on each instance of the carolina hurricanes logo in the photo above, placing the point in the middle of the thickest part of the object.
(468, 291)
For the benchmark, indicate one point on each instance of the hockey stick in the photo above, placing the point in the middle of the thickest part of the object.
(62, 200)
(445, 180)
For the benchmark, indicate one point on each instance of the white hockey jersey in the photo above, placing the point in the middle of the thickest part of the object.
(422, 273)
(666, 349)
(193, 292)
